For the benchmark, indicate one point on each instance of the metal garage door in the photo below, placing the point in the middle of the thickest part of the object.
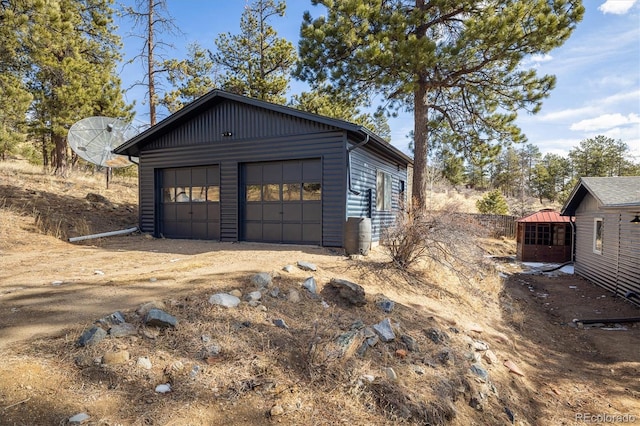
(282, 202)
(191, 203)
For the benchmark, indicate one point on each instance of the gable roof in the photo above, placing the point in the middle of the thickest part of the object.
(133, 146)
(609, 192)
(545, 216)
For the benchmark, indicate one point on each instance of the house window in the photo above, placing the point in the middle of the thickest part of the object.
(383, 191)
(598, 232)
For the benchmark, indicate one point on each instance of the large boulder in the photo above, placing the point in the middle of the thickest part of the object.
(351, 292)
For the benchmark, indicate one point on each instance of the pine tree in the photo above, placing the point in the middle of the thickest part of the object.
(73, 50)
(14, 96)
(334, 103)
(256, 62)
(458, 64)
(191, 78)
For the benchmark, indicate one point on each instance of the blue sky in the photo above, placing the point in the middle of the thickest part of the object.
(597, 70)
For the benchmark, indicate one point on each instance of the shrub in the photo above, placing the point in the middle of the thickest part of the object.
(493, 203)
(442, 235)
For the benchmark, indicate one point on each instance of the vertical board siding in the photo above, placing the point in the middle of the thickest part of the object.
(243, 121)
(230, 153)
(364, 167)
(617, 269)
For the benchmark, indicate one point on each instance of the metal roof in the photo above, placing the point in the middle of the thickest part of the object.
(132, 147)
(545, 216)
(609, 192)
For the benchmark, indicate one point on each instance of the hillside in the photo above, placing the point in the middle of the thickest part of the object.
(292, 356)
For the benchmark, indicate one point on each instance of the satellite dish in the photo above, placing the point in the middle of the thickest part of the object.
(94, 139)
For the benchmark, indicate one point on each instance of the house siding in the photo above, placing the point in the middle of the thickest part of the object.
(617, 268)
(364, 167)
(328, 146)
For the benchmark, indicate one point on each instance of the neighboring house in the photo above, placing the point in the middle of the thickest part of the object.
(544, 236)
(607, 238)
(231, 168)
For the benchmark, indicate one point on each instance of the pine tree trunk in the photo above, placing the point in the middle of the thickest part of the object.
(420, 143)
(61, 166)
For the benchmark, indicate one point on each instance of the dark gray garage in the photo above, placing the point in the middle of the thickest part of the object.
(231, 168)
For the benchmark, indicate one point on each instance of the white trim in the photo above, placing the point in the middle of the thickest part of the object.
(596, 221)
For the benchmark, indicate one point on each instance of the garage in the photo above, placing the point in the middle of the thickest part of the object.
(282, 201)
(232, 168)
(190, 203)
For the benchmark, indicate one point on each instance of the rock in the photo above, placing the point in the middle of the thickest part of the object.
(115, 357)
(479, 371)
(158, 318)
(288, 268)
(306, 266)
(401, 353)
(509, 414)
(386, 305)
(150, 333)
(384, 330)
(79, 419)
(254, 296)
(513, 368)
(490, 357)
(91, 336)
(211, 350)
(294, 296)
(194, 371)
(235, 292)
(351, 292)
(123, 330)
(177, 366)
(97, 198)
(418, 370)
(476, 328)
(391, 374)
(410, 342)
(276, 410)
(261, 280)
(445, 356)
(368, 377)
(275, 292)
(164, 388)
(475, 403)
(83, 360)
(436, 335)
(145, 308)
(224, 299)
(113, 319)
(144, 362)
(98, 272)
(262, 308)
(480, 346)
(279, 322)
(310, 284)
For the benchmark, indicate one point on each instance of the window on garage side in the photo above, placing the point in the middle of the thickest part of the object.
(598, 233)
(383, 191)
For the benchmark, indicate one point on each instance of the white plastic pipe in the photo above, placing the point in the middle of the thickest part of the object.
(104, 234)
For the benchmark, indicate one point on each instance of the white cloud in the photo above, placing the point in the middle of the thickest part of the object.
(621, 97)
(605, 121)
(568, 113)
(617, 7)
(541, 58)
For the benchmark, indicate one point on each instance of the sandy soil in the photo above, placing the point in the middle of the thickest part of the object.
(52, 290)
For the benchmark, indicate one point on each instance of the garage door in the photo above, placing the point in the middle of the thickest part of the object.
(282, 202)
(191, 203)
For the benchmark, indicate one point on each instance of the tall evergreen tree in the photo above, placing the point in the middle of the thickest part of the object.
(334, 103)
(14, 96)
(455, 63)
(601, 156)
(256, 62)
(191, 77)
(73, 51)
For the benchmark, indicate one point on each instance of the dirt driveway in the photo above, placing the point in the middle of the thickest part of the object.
(64, 286)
